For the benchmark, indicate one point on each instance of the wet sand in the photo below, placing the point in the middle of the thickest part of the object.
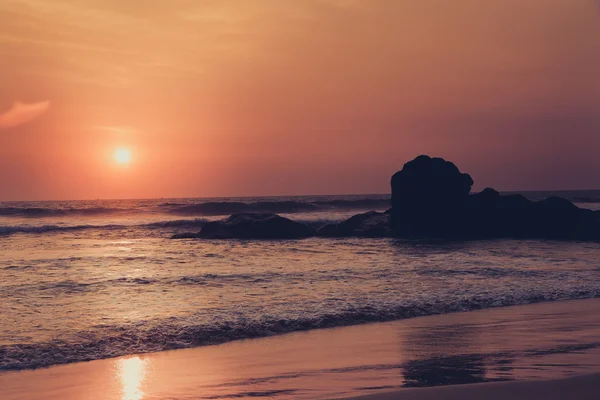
(585, 387)
(546, 341)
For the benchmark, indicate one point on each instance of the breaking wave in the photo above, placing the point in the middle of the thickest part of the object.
(40, 212)
(172, 225)
(113, 341)
(282, 207)
(199, 208)
(28, 229)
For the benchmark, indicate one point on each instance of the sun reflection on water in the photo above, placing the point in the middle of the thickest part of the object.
(131, 373)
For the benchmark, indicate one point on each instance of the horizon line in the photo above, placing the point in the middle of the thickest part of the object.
(273, 196)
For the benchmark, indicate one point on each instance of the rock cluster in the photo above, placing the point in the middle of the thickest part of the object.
(430, 199)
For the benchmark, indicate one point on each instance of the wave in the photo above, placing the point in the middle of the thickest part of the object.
(28, 229)
(282, 207)
(173, 333)
(9, 230)
(178, 223)
(214, 208)
(192, 207)
(69, 286)
(40, 212)
(192, 224)
(355, 204)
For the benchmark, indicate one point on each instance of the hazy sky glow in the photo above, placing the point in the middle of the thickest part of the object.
(21, 113)
(268, 97)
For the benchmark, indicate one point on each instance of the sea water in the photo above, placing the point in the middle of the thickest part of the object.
(83, 280)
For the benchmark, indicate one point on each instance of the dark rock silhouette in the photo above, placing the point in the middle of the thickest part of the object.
(487, 197)
(425, 195)
(369, 224)
(252, 226)
(430, 199)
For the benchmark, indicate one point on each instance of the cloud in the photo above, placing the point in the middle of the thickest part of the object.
(116, 131)
(21, 113)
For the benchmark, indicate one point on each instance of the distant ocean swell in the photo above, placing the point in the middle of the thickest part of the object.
(203, 208)
(113, 341)
(217, 208)
(40, 212)
(183, 223)
(196, 223)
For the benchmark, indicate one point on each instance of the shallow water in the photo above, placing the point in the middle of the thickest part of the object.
(117, 285)
(533, 342)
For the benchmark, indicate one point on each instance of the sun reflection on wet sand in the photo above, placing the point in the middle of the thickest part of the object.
(131, 373)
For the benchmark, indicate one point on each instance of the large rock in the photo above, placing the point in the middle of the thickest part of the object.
(369, 224)
(255, 226)
(430, 198)
(426, 194)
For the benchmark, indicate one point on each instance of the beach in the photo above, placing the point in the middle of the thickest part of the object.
(299, 200)
(88, 280)
(98, 302)
(580, 388)
(507, 352)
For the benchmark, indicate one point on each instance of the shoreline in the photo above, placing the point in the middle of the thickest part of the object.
(391, 318)
(479, 346)
(582, 387)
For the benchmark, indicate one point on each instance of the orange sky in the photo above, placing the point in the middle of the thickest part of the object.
(270, 97)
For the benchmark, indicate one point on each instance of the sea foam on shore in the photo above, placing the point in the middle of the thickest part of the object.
(522, 343)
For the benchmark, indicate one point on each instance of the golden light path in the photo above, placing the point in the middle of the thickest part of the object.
(131, 373)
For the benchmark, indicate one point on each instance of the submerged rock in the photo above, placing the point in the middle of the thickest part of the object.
(369, 224)
(252, 226)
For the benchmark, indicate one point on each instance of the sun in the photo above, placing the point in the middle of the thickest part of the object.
(122, 156)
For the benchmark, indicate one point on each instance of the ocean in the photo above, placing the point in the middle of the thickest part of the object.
(84, 280)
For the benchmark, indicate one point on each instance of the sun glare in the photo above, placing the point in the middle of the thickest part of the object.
(122, 155)
(132, 372)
